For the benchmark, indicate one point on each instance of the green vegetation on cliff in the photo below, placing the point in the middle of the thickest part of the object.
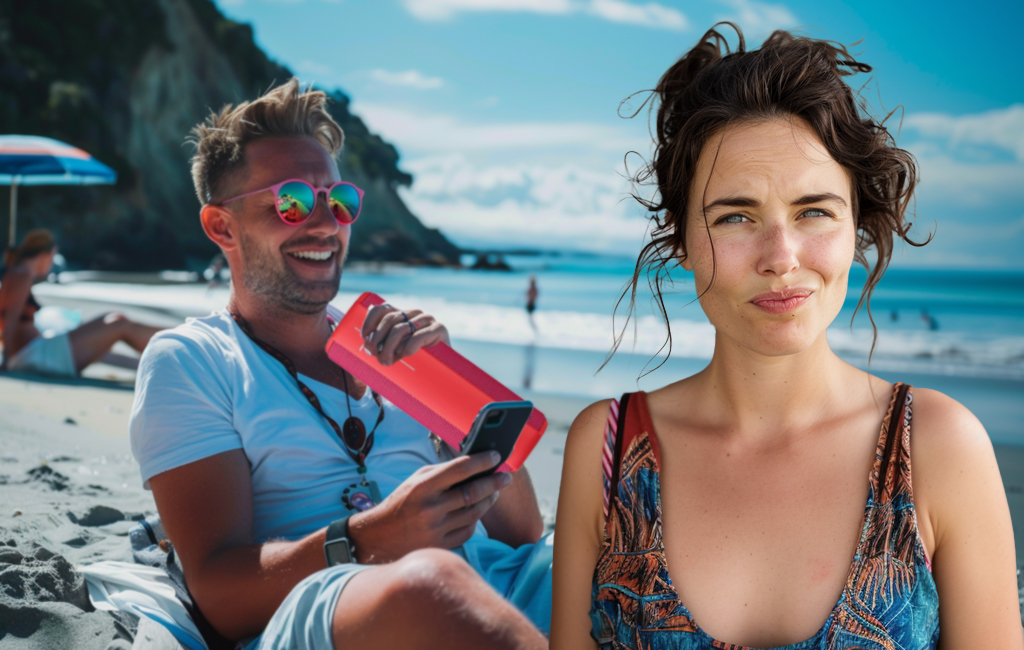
(126, 81)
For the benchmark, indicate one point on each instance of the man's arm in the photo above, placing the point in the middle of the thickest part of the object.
(515, 518)
(206, 508)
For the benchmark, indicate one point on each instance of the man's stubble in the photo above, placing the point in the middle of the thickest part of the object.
(266, 274)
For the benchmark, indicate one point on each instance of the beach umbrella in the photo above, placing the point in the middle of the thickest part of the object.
(34, 160)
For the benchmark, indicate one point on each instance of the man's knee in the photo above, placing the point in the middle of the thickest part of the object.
(432, 574)
(424, 589)
(426, 582)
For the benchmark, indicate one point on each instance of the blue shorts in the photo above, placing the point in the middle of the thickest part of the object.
(304, 619)
(522, 576)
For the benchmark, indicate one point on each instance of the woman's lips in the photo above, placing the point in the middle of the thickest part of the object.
(781, 302)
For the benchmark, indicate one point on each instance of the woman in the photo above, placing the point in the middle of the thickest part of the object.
(63, 355)
(768, 501)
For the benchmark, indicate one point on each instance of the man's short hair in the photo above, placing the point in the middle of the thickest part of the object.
(286, 110)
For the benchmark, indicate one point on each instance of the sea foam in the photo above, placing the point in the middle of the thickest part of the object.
(943, 352)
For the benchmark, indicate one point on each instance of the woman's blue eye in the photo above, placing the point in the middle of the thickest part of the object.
(732, 218)
(815, 212)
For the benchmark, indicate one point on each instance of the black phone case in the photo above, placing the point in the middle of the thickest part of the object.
(501, 438)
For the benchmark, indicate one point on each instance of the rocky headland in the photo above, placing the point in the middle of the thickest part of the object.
(126, 81)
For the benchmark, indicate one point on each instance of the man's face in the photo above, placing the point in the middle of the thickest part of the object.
(276, 258)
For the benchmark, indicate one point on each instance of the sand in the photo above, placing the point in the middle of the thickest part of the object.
(70, 490)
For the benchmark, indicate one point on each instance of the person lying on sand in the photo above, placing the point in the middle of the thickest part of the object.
(307, 511)
(65, 354)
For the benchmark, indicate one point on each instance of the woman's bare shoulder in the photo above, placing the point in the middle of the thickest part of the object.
(943, 427)
(587, 430)
(954, 464)
(947, 442)
(580, 492)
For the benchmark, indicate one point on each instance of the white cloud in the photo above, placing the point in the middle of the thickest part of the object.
(951, 181)
(532, 184)
(567, 206)
(650, 14)
(759, 19)
(410, 78)
(647, 15)
(1001, 129)
(972, 161)
(426, 133)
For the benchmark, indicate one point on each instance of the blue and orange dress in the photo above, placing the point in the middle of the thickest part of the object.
(889, 601)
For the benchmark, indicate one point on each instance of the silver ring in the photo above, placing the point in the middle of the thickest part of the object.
(405, 316)
(412, 326)
(380, 347)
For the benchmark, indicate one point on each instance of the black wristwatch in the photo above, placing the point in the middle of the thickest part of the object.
(338, 548)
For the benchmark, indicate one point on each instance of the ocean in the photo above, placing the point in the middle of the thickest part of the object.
(959, 331)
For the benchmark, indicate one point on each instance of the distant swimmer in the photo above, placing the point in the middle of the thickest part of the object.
(531, 300)
(933, 323)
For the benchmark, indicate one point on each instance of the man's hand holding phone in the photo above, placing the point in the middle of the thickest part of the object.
(429, 509)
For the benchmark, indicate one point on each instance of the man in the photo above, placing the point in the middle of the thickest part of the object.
(236, 429)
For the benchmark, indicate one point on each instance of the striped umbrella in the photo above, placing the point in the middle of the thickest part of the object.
(34, 160)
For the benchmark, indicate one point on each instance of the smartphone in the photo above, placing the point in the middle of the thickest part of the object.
(496, 428)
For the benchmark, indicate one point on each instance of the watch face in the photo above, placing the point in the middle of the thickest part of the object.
(338, 552)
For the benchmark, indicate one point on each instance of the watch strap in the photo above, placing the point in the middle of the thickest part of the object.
(338, 548)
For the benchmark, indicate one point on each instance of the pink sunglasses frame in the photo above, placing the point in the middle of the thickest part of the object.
(316, 198)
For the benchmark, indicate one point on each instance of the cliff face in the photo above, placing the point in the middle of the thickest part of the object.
(126, 81)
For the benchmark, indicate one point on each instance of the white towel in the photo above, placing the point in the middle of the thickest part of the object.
(143, 591)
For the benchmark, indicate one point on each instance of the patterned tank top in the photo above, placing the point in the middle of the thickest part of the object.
(889, 601)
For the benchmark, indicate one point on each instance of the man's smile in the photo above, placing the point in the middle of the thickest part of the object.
(316, 256)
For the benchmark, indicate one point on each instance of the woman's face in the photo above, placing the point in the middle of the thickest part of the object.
(779, 216)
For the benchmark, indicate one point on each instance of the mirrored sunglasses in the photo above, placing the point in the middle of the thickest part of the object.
(296, 199)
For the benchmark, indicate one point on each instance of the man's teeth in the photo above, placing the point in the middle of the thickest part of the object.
(313, 255)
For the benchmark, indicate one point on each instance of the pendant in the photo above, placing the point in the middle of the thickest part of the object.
(360, 497)
(355, 433)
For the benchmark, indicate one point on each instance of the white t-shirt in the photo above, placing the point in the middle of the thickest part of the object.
(204, 388)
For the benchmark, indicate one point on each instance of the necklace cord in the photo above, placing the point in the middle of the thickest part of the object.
(358, 455)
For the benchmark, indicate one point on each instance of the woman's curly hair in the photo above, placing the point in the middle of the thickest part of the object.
(712, 87)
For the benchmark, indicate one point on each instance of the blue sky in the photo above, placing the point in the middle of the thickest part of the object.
(506, 111)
